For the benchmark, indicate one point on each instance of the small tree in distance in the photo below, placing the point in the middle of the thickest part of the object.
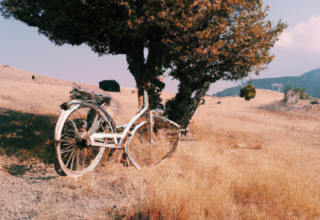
(300, 92)
(198, 41)
(248, 92)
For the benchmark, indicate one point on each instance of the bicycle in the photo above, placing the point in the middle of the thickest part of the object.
(84, 130)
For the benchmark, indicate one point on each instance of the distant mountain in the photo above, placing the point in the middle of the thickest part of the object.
(309, 81)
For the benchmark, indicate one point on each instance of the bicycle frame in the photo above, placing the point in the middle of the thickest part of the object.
(107, 140)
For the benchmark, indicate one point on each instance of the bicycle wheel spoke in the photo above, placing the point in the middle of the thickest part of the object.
(86, 157)
(75, 129)
(83, 158)
(71, 156)
(65, 156)
(67, 141)
(78, 160)
(69, 132)
(72, 161)
(67, 149)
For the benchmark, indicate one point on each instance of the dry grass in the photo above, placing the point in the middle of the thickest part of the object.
(307, 113)
(238, 170)
(253, 165)
(247, 163)
(202, 182)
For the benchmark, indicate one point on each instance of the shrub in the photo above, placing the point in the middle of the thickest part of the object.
(300, 91)
(109, 85)
(248, 92)
(288, 87)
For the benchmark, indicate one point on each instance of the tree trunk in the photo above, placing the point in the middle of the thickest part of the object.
(146, 73)
(182, 107)
(140, 98)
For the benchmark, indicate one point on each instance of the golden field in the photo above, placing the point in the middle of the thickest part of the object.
(250, 160)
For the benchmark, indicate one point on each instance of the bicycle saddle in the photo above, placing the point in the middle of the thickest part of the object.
(79, 93)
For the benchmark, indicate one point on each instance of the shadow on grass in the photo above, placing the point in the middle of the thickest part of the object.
(278, 106)
(28, 136)
(17, 170)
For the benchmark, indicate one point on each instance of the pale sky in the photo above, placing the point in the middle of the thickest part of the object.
(297, 51)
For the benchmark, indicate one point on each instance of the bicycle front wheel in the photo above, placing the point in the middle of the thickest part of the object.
(152, 140)
(74, 127)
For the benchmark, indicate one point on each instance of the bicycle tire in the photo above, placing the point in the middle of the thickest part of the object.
(76, 157)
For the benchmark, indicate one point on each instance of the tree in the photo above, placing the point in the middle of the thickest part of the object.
(248, 92)
(197, 41)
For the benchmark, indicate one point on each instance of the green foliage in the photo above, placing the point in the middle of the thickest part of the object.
(301, 92)
(109, 85)
(27, 136)
(248, 92)
(195, 42)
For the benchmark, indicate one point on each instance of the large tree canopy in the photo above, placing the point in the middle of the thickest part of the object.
(196, 41)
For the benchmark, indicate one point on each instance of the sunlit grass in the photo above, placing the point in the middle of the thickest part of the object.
(203, 181)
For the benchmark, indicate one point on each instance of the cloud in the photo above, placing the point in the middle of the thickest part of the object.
(304, 36)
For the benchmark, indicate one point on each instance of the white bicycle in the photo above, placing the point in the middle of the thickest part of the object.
(85, 130)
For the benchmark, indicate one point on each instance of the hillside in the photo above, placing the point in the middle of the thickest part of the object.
(250, 160)
(44, 95)
(310, 81)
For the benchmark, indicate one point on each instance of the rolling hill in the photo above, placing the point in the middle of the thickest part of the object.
(249, 160)
(310, 81)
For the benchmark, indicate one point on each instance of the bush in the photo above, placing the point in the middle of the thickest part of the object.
(287, 88)
(248, 92)
(109, 85)
(300, 91)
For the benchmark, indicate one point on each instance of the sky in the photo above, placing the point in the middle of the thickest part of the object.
(296, 52)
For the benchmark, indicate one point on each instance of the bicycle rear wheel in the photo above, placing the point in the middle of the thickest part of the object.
(75, 153)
